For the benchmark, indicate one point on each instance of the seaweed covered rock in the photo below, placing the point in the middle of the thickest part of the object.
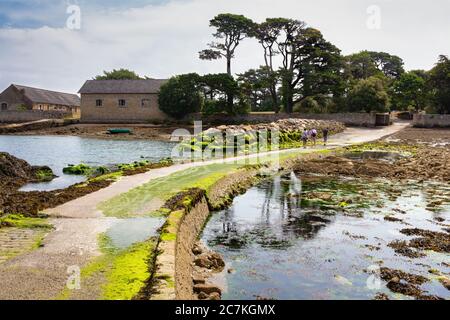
(284, 133)
(15, 172)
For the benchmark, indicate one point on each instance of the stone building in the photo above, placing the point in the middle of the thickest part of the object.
(22, 98)
(121, 101)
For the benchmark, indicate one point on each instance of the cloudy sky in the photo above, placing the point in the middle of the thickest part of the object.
(160, 38)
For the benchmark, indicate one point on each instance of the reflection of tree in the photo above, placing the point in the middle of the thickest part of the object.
(276, 228)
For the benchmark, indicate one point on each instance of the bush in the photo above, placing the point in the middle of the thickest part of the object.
(180, 96)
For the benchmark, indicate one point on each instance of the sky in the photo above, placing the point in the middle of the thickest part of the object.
(43, 45)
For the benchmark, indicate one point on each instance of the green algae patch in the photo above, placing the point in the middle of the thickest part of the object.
(404, 149)
(122, 272)
(159, 190)
(20, 221)
(130, 272)
(170, 228)
(109, 176)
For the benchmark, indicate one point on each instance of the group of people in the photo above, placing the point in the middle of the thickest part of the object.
(312, 134)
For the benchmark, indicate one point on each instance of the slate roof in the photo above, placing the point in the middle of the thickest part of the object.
(122, 86)
(36, 95)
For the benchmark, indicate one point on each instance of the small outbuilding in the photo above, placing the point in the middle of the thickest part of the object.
(121, 101)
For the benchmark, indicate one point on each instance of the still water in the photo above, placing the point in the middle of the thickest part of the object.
(314, 238)
(58, 152)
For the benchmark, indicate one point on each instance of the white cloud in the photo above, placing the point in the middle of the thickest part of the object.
(164, 40)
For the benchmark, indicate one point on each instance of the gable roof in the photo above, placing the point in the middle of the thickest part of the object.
(37, 95)
(122, 86)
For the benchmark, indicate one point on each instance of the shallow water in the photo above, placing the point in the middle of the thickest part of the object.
(58, 152)
(127, 232)
(282, 245)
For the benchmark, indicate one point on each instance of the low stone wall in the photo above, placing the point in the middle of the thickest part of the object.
(174, 269)
(350, 119)
(10, 116)
(431, 120)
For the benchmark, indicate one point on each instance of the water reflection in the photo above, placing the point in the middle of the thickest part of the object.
(297, 237)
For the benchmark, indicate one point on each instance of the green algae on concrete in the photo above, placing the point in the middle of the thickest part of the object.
(123, 273)
(20, 221)
(20, 235)
(161, 189)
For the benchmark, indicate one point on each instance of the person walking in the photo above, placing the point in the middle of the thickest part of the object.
(325, 133)
(313, 135)
(305, 137)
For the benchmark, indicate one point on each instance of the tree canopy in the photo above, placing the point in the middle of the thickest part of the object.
(231, 29)
(368, 95)
(440, 82)
(409, 91)
(120, 74)
(180, 95)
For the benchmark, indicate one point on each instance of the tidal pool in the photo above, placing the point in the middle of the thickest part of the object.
(319, 238)
(58, 152)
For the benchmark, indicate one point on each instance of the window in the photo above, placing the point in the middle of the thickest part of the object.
(98, 103)
(145, 103)
(122, 103)
(4, 106)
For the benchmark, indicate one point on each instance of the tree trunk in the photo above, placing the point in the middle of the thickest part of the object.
(273, 92)
(229, 66)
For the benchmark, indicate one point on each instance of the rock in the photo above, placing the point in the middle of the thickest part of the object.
(217, 261)
(215, 296)
(206, 288)
(381, 296)
(198, 280)
(231, 270)
(202, 296)
(197, 250)
(203, 262)
(445, 282)
(212, 261)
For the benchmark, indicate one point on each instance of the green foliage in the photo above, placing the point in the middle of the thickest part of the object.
(368, 95)
(231, 29)
(121, 74)
(409, 91)
(440, 82)
(310, 64)
(256, 86)
(225, 92)
(366, 64)
(314, 104)
(181, 96)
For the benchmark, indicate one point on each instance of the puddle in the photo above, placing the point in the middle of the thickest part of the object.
(127, 232)
(314, 238)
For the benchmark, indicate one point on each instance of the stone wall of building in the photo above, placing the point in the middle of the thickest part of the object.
(12, 116)
(111, 112)
(431, 120)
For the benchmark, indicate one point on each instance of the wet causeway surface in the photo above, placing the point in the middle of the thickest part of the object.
(320, 238)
